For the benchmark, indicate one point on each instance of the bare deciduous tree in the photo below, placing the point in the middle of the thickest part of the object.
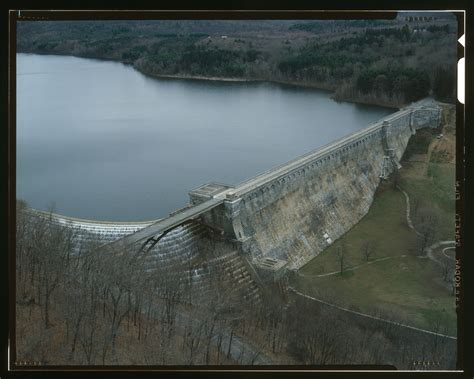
(341, 256)
(368, 249)
(447, 268)
(415, 206)
(396, 178)
(427, 226)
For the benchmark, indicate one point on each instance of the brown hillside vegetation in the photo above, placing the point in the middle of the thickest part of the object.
(386, 62)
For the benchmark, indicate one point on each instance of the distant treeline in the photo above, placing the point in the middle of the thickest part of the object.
(318, 26)
(355, 61)
(376, 61)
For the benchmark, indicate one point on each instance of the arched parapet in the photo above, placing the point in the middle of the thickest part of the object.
(176, 246)
(93, 231)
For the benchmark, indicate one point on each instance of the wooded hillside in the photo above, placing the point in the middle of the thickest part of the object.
(387, 62)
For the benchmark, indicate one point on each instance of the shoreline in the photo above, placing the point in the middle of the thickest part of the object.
(367, 102)
(284, 82)
(185, 77)
(194, 77)
(309, 85)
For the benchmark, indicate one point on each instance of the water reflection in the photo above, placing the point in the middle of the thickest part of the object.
(103, 141)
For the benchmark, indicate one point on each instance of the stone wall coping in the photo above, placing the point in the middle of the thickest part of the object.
(282, 170)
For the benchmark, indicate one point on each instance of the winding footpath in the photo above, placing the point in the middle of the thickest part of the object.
(353, 268)
(369, 316)
(446, 255)
(409, 222)
(429, 254)
(429, 250)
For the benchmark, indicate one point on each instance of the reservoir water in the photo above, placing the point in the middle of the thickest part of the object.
(100, 140)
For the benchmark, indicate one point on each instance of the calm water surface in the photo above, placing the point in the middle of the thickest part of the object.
(99, 140)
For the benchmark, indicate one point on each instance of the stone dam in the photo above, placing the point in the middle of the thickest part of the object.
(274, 222)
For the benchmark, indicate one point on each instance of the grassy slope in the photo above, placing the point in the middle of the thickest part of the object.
(408, 289)
(388, 207)
(403, 289)
(430, 177)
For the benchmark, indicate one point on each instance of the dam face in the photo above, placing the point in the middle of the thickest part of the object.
(288, 215)
(278, 220)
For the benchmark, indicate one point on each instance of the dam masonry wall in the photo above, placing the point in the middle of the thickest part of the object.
(286, 216)
(274, 222)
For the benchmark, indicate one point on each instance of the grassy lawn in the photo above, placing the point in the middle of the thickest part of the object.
(434, 190)
(405, 289)
(430, 177)
(385, 226)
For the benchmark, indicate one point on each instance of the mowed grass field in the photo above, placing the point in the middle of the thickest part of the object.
(385, 226)
(429, 176)
(395, 283)
(436, 190)
(404, 289)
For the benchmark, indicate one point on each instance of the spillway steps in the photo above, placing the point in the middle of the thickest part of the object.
(184, 258)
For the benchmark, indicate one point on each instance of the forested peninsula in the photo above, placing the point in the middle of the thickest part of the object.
(383, 62)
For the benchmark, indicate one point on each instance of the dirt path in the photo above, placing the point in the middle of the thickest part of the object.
(446, 255)
(369, 316)
(351, 268)
(429, 250)
(409, 222)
